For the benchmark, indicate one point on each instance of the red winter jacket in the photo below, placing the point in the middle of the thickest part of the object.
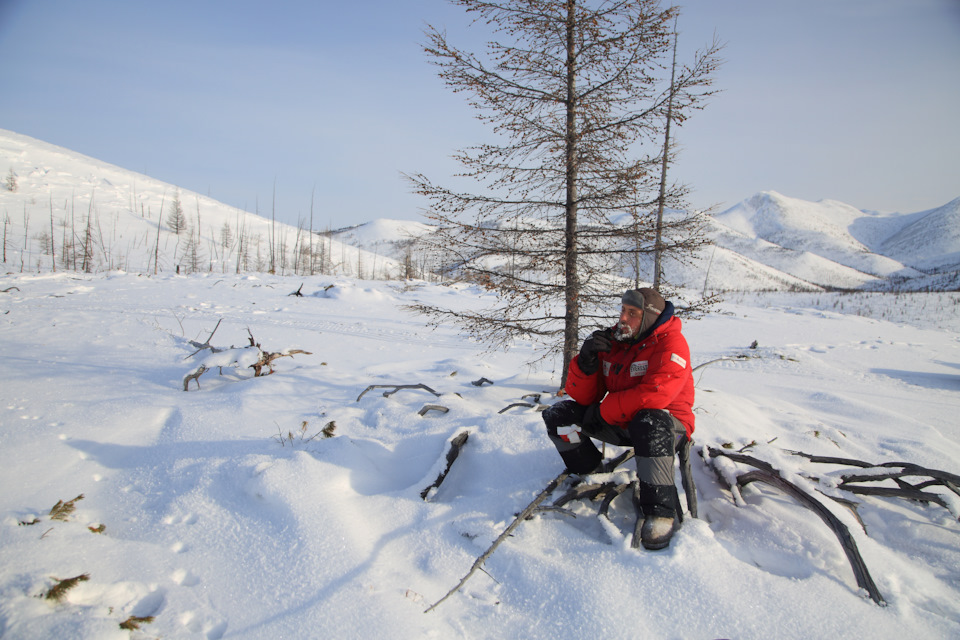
(654, 373)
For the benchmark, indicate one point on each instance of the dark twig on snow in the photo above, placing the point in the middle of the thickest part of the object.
(195, 376)
(764, 472)
(609, 491)
(59, 591)
(396, 388)
(891, 492)
(297, 293)
(456, 444)
(686, 476)
(432, 407)
(611, 465)
(553, 484)
(898, 470)
(481, 382)
(584, 492)
(267, 357)
(528, 405)
(612, 495)
(206, 345)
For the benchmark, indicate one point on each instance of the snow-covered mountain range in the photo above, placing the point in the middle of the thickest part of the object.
(64, 210)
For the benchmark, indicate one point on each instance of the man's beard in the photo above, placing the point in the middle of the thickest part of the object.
(623, 332)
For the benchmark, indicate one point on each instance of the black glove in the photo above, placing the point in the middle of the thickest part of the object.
(592, 421)
(599, 341)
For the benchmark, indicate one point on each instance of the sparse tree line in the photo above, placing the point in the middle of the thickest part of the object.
(65, 237)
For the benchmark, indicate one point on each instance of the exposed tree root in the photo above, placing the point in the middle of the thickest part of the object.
(764, 472)
(396, 388)
(453, 451)
(432, 407)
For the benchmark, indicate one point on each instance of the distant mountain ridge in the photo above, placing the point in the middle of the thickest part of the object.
(767, 242)
(912, 251)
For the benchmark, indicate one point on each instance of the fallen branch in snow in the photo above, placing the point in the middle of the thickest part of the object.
(432, 407)
(195, 376)
(534, 507)
(396, 387)
(205, 345)
(59, 591)
(608, 490)
(585, 492)
(852, 482)
(133, 622)
(530, 508)
(62, 510)
(453, 452)
(765, 472)
(267, 357)
(236, 357)
(527, 405)
(9, 289)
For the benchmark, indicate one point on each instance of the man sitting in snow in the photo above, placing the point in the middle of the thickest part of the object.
(632, 386)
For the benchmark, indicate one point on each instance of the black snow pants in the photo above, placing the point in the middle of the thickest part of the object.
(653, 434)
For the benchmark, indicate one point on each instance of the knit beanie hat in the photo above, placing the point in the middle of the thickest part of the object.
(650, 301)
(647, 299)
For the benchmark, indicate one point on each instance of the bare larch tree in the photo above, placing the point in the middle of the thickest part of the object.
(573, 92)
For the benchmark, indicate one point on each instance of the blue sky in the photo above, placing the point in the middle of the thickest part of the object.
(851, 100)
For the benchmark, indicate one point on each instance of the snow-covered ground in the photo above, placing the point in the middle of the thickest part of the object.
(227, 513)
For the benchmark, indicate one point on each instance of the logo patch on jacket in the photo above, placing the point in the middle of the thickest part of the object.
(679, 360)
(639, 368)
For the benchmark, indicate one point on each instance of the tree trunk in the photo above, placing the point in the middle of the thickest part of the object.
(572, 280)
(658, 246)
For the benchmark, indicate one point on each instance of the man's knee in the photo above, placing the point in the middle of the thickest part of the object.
(562, 414)
(653, 433)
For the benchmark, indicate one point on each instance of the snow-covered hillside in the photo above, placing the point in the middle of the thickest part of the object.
(71, 212)
(866, 248)
(225, 511)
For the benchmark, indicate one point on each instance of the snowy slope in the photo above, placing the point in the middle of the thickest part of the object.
(821, 228)
(58, 191)
(227, 514)
(937, 235)
(810, 269)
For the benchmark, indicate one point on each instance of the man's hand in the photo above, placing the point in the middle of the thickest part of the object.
(598, 342)
(592, 420)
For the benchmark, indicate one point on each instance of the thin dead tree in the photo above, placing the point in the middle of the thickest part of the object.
(53, 249)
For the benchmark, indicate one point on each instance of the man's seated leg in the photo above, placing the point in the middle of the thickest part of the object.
(654, 434)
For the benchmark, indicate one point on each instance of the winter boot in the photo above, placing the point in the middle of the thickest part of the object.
(656, 532)
(657, 519)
